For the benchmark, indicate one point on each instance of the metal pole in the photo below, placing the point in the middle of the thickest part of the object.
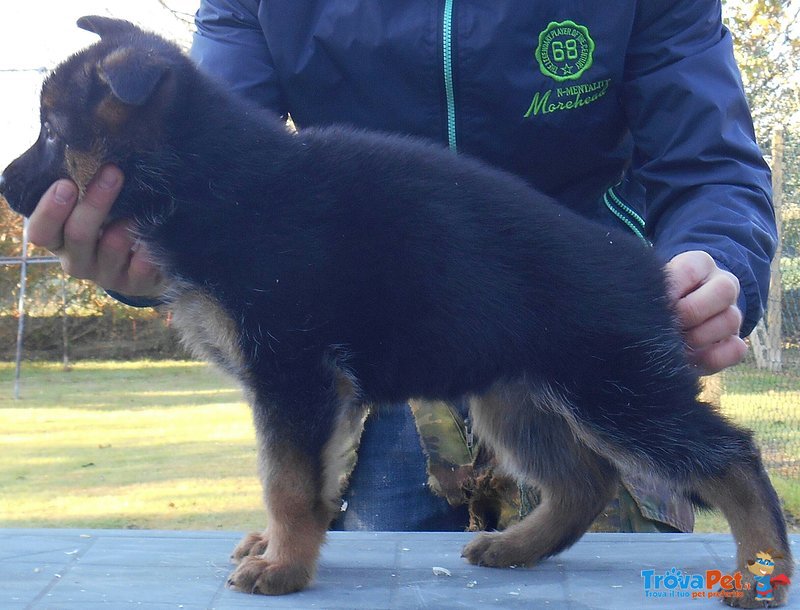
(64, 322)
(23, 280)
(775, 296)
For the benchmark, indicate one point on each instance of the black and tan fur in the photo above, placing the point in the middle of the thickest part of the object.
(333, 269)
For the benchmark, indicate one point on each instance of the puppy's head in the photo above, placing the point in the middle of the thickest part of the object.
(111, 102)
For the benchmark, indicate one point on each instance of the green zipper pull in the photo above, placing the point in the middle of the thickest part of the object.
(447, 48)
(626, 214)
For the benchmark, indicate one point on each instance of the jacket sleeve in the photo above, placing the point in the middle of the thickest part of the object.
(229, 44)
(708, 187)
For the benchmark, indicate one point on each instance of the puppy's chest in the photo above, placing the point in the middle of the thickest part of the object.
(206, 329)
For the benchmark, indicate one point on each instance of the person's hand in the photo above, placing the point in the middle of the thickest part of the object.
(73, 229)
(705, 301)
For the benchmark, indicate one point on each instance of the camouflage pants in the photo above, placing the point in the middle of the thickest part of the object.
(462, 473)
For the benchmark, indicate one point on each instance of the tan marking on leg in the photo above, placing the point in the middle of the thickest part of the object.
(746, 498)
(254, 543)
(340, 452)
(558, 521)
(532, 440)
(297, 520)
(543, 397)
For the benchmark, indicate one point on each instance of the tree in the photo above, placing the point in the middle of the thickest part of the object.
(767, 42)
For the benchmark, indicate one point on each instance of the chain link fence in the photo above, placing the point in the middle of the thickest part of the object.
(763, 393)
(71, 320)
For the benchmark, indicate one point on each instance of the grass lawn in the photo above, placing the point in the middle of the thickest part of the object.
(769, 404)
(170, 445)
(126, 445)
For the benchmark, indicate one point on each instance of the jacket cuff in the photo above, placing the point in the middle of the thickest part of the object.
(134, 301)
(741, 303)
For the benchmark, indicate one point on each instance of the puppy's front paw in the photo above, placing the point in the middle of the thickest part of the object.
(254, 543)
(495, 550)
(257, 575)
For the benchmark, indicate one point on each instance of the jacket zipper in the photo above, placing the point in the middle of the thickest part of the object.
(625, 213)
(447, 54)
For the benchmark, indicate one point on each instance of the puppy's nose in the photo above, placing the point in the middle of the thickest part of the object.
(2, 183)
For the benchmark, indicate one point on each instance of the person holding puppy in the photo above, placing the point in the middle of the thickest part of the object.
(634, 117)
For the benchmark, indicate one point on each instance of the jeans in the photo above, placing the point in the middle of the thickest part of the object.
(388, 490)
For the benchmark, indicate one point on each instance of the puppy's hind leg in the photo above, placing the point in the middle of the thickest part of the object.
(704, 457)
(659, 425)
(535, 443)
(745, 496)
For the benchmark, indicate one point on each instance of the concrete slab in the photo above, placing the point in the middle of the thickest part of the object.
(86, 569)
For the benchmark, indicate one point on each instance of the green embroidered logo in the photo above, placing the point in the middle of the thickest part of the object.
(565, 50)
(568, 97)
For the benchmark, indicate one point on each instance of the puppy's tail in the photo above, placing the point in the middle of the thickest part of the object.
(663, 429)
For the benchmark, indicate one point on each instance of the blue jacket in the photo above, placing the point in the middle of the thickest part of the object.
(631, 112)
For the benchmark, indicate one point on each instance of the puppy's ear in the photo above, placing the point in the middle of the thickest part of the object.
(132, 75)
(106, 26)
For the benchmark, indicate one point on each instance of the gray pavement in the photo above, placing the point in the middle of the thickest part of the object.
(86, 569)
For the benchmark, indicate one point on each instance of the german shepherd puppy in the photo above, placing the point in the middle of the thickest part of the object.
(334, 269)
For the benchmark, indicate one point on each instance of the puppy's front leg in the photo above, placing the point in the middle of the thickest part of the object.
(282, 559)
(305, 455)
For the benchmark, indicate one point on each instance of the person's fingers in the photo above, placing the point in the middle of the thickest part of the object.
(46, 228)
(719, 327)
(687, 271)
(83, 227)
(710, 299)
(704, 298)
(76, 231)
(144, 277)
(124, 265)
(113, 255)
(720, 355)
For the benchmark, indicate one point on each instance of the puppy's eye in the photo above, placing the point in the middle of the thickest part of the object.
(49, 134)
